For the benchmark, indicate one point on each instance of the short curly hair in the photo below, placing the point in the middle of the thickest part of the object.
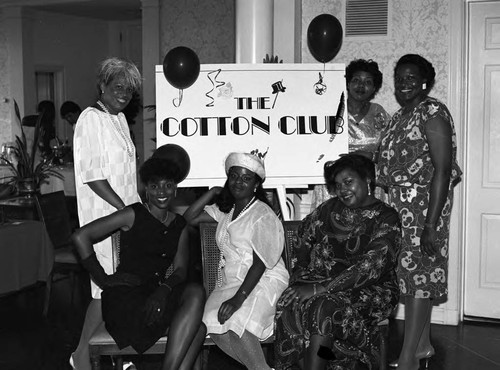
(360, 164)
(159, 168)
(368, 66)
(425, 68)
(111, 68)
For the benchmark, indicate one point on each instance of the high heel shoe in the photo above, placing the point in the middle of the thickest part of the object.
(72, 362)
(421, 357)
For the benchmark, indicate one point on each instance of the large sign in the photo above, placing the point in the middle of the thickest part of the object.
(294, 113)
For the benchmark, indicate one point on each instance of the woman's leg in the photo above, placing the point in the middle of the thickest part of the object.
(184, 331)
(312, 361)
(417, 325)
(93, 317)
(194, 349)
(248, 350)
(223, 341)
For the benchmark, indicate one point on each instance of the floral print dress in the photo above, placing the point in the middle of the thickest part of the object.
(352, 254)
(406, 169)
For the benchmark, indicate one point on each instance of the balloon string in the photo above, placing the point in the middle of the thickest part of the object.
(179, 100)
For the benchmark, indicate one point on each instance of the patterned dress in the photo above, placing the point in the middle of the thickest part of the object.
(100, 154)
(405, 167)
(351, 252)
(146, 250)
(364, 135)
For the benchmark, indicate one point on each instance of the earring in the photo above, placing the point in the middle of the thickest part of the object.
(369, 191)
(424, 86)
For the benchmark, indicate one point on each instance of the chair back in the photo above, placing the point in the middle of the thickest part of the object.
(53, 212)
(210, 256)
(210, 253)
(291, 229)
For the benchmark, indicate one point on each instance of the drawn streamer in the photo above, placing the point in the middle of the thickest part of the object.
(215, 85)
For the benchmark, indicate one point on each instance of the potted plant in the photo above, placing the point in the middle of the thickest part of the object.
(28, 174)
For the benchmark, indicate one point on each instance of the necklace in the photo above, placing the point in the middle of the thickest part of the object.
(224, 239)
(164, 219)
(243, 210)
(118, 130)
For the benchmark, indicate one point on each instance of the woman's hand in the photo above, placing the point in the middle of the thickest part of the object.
(155, 305)
(121, 278)
(298, 294)
(228, 308)
(428, 241)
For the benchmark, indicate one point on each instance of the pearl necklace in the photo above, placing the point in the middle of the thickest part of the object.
(129, 145)
(225, 238)
(243, 210)
(162, 221)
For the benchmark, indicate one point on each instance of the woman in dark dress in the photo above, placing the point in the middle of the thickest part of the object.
(140, 301)
(343, 280)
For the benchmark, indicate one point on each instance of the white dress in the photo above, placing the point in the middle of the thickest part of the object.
(256, 229)
(100, 154)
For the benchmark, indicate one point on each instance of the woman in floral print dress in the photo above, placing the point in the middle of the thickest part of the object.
(367, 120)
(343, 280)
(418, 165)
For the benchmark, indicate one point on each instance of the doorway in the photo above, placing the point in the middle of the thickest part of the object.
(482, 183)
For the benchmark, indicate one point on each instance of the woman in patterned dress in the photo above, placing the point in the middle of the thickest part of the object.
(105, 171)
(139, 301)
(343, 281)
(418, 165)
(240, 313)
(367, 120)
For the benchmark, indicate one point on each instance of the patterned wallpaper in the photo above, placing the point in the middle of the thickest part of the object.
(207, 27)
(5, 131)
(418, 27)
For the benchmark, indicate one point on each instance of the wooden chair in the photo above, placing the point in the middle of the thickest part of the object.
(53, 212)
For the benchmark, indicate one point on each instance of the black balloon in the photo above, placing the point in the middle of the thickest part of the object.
(324, 37)
(176, 154)
(181, 67)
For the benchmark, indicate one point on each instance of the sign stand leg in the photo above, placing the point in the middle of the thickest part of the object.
(281, 191)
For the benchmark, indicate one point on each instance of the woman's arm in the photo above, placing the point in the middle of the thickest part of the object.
(106, 192)
(255, 272)
(195, 214)
(86, 236)
(439, 138)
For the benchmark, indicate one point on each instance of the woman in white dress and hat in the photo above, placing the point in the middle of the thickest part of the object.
(240, 313)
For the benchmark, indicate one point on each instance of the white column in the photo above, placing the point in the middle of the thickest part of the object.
(150, 58)
(254, 30)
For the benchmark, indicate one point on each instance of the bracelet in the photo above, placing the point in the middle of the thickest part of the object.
(314, 289)
(245, 294)
(431, 225)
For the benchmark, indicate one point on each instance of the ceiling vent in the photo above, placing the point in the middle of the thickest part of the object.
(367, 18)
